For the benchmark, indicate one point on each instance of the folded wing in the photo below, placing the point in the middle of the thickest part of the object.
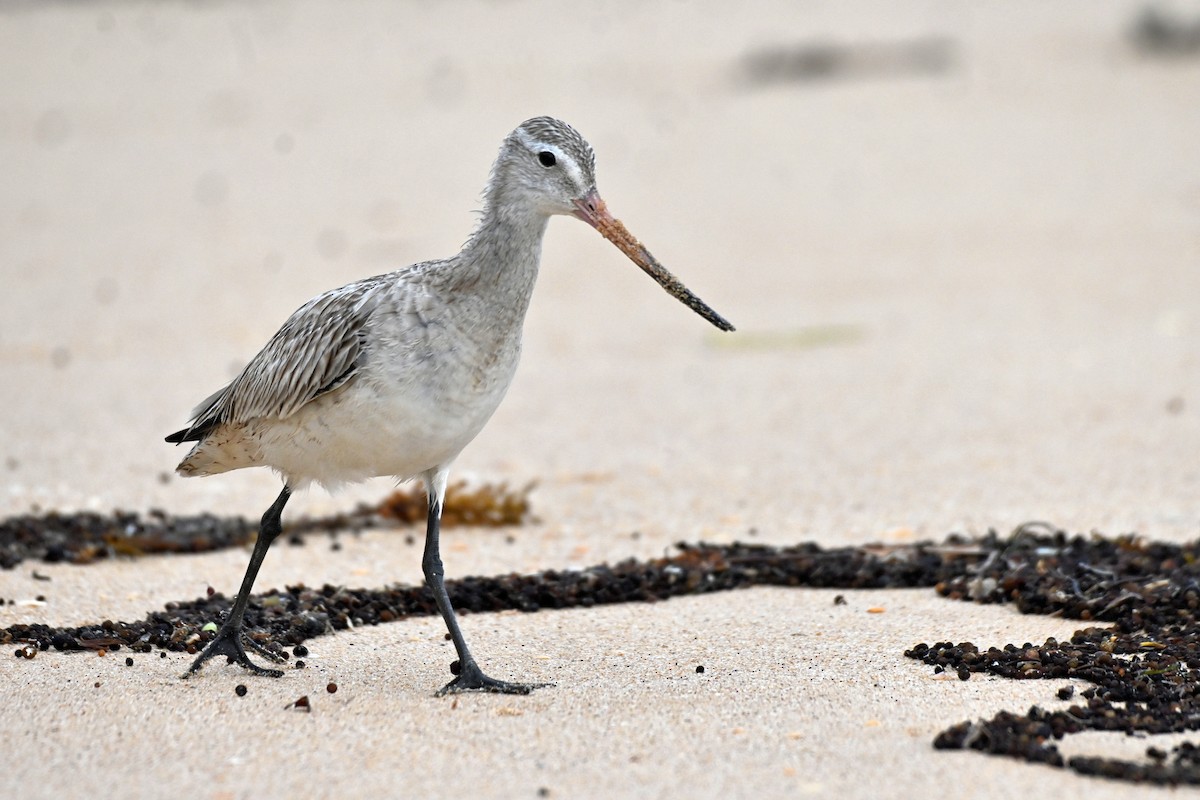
(317, 350)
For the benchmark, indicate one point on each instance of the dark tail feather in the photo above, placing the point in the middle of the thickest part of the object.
(193, 434)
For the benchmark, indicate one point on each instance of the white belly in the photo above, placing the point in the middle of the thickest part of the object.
(385, 422)
(369, 429)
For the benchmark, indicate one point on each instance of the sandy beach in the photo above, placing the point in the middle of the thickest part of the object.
(961, 247)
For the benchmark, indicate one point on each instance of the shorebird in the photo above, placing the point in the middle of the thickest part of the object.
(394, 375)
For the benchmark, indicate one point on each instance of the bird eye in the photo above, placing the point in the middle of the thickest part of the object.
(547, 159)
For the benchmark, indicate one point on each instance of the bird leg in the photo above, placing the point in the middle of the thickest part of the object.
(470, 677)
(231, 640)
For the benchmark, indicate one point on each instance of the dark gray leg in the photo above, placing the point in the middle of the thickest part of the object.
(229, 640)
(470, 676)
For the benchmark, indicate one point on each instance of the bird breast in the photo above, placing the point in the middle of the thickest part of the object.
(429, 382)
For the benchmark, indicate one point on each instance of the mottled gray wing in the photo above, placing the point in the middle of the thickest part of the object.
(317, 350)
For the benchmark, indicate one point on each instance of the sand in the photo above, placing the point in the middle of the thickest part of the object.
(966, 297)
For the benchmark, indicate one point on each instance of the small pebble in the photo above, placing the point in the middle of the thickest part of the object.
(240, 689)
(300, 651)
(700, 670)
(331, 688)
(964, 674)
(128, 661)
(839, 599)
(455, 667)
(1066, 693)
(299, 664)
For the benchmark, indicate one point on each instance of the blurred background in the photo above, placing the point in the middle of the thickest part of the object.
(961, 244)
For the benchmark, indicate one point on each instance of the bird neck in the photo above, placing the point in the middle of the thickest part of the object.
(500, 261)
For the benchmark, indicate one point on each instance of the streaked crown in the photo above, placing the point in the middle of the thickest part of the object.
(544, 164)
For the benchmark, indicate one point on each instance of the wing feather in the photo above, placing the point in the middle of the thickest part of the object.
(317, 350)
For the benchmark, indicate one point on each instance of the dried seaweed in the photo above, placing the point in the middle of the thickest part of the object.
(489, 505)
(1143, 668)
(298, 613)
(817, 61)
(85, 537)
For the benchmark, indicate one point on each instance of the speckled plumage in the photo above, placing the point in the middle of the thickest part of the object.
(395, 374)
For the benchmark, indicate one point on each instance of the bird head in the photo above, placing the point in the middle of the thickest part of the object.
(550, 164)
(551, 168)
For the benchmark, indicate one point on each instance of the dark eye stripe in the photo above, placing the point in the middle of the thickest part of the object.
(547, 158)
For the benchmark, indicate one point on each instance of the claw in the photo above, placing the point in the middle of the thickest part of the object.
(261, 649)
(472, 679)
(228, 642)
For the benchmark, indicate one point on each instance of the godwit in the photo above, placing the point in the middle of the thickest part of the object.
(396, 374)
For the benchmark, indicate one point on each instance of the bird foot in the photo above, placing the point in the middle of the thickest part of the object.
(229, 642)
(472, 679)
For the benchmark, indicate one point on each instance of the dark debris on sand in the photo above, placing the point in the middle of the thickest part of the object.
(84, 537)
(285, 619)
(1143, 666)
